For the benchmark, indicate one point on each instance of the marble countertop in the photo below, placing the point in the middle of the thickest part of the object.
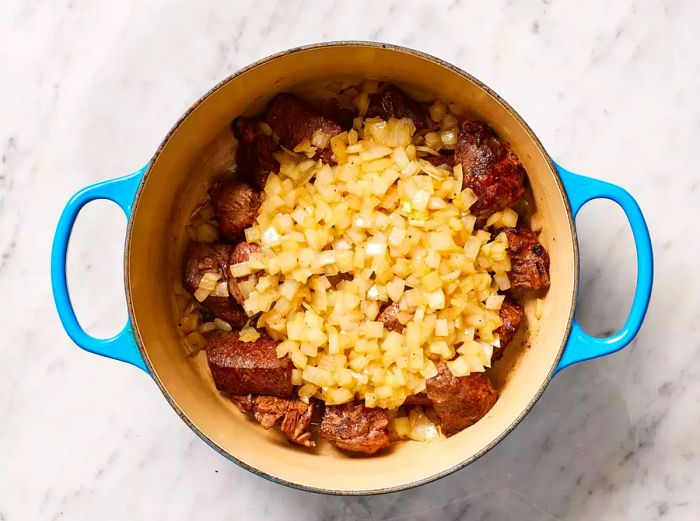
(89, 89)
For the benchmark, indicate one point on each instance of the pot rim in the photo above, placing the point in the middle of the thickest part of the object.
(405, 486)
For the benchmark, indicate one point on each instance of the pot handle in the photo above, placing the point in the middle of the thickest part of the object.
(582, 346)
(123, 345)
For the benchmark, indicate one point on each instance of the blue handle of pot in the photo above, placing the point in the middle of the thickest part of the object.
(122, 346)
(582, 346)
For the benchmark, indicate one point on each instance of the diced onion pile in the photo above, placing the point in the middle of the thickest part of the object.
(341, 242)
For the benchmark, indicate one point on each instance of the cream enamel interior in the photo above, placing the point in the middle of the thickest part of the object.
(200, 145)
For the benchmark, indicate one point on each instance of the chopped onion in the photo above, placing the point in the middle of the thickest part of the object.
(502, 281)
(441, 328)
(449, 138)
(494, 302)
(449, 121)
(221, 289)
(428, 150)
(241, 269)
(421, 428)
(208, 280)
(201, 294)
(362, 103)
(222, 325)
(438, 110)
(246, 287)
(382, 226)
(208, 327)
(432, 141)
(320, 139)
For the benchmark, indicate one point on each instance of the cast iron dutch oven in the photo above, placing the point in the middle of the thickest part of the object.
(158, 199)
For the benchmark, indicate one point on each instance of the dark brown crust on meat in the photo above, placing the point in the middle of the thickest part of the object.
(294, 416)
(226, 309)
(241, 368)
(528, 259)
(442, 159)
(202, 258)
(491, 170)
(254, 155)
(392, 102)
(418, 399)
(355, 428)
(344, 117)
(294, 120)
(512, 315)
(389, 317)
(241, 253)
(460, 401)
(236, 207)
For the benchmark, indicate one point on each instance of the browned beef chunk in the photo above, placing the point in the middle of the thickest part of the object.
(294, 416)
(460, 401)
(240, 368)
(356, 428)
(226, 309)
(442, 159)
(344, 117)
(418, 399)
(392, 102)
(294, 120)
(491, 170)
(202, 258)
(389, 317)
(241, 253)
(236, 207)
(512, 315)
(528, 259)
(254, 159)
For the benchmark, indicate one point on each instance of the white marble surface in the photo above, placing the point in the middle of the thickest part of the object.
(88, 90)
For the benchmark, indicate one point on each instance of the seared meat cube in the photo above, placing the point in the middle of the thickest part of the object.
(294, 416)
(460, 401)
(226, 309)
(529, 260)
(254, 159)
(344, 117)
(241, 253)
(356, 428)
(418, 399)
(512, 315)
(442, 159)
(294, 120)
(240, 368)
(390, 319)
(236, 207)
(392, 102)
(203, 258)
(490, 169)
